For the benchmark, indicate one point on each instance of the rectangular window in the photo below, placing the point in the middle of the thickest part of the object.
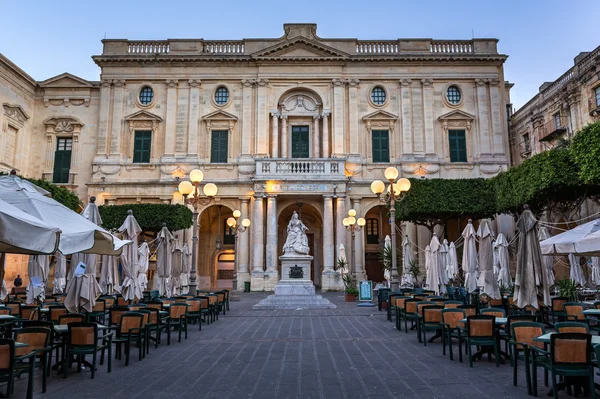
(381, 145)
(300, 142)
(526, 142)
(141, 146)
(10, 144)
(218, 146)
(372, 231)
(228, 235)
(458, 145)
(597, 92)
(557, 123)
(62, 160)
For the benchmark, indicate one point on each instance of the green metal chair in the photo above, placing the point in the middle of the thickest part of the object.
(431, 320)
(558, 308)
(496, 312)
(574, 311)
(572, 327)
(400, 310)
(452, 328)
(522, 335)
(410, 313)
(481, 331)
(82, 339)
(177, 319)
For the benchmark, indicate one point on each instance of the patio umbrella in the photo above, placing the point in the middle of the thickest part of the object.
(387, 274)
(503, 261)
(37, 270)
(582, 240)
(184, 279)
(496, 260)
(109, 275)
(434, 280)
(530, 278)
(18, 228)
(143, 260)
(595, 271)
(130, 289)
(469, 259)
(576, 273)
(407, 278)
(163, 261)
(444, 262)
(487, 280)
(176, 268)
(82, 288)
(547, 259)
(77, 233)
(60, 274)
(3, 289)
(428, 276)
(452, 268)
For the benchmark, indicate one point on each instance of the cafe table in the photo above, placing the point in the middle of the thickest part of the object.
(546, 338)
(498, 320)
(592, 312)
(6, 317)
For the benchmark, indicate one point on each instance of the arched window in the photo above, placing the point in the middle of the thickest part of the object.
(372, 231)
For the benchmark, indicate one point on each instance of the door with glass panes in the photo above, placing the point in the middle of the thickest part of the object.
(300, 141)
(62, 160)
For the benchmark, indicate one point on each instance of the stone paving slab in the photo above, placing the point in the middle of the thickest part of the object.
(348, 352)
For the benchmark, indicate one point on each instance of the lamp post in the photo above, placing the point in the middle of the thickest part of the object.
(353, 225)
(191, 195)
(395, 192)
(232, 222)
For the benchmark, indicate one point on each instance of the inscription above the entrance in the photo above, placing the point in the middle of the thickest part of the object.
(296, 272)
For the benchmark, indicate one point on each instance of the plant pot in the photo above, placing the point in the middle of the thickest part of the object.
(349, 297)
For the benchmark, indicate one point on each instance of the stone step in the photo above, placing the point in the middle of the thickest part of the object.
(294, 302)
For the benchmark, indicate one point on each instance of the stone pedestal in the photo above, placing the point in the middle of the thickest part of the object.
(332, 281)
(242, 278)
(257, 281)
(295, 290)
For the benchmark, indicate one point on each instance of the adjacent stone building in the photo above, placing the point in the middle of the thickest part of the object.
(297, 122)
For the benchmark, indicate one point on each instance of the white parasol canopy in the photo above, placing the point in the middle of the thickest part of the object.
(78, 233)
(38, 268)
(469, 259)
(109, 275)
(60, 274)
(452, 268)
(176, 268)
(184, 279)
(163, 261)
(548, 260)
(387, 271)
(407, 258)
(3, 289)
(487, 280)
(503, 261)
(595, 271)
(143, 261)
(576, 273)
(433, 280)
(444, 262)
(582, 240)
(130, 289)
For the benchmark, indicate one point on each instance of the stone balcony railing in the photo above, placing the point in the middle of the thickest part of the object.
(313, 169)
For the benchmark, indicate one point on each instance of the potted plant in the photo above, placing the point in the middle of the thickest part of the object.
(567, 288)
(415, 270)
(385, 257)
(349, 288)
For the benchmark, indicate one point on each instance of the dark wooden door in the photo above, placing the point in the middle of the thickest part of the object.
(373, 267)
(300, 142)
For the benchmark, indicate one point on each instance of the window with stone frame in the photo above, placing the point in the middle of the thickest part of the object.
(218, 146)
(141, 146)
(62, 160)
(597, 95)
(526, 143)
(458, 145)
(372, 230)
(380, 145)
(10, 145)
(557, 121)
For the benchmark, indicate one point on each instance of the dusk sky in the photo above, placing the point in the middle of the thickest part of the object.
(541, 38)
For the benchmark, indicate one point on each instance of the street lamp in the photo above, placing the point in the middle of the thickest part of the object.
(395, 192)
(192, 196)
(232, 222)
(353, 225)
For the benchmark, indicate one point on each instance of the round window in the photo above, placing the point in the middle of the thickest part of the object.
(378, 95)
(146, 95)
(222, 95)
(453, 95)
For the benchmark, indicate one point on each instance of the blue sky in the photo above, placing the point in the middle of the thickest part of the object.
(46, 38)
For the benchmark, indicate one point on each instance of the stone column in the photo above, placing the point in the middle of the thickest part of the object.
(171, 118)
(247, 117)
(275, 134)
(244, 248)
(417, 118)
(331, 280)
(262, 119)
(340, 229)
(406, 112)
(339, 116)
(193, 119)
(103, 120)
(428, 115)
(316, 138)
(326, 153)
(359, 245)
(258, 245)
(117, 120)
(284, 137)
(484, 117)
(498, 113)
(271, 275)
(353, 117)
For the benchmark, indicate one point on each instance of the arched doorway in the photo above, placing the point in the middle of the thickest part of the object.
(215, 239)
(376, 229)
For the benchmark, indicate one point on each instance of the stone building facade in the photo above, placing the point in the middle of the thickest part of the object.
(297, 122)
(559, 110)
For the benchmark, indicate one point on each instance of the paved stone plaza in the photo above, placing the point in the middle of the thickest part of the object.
(348, 352)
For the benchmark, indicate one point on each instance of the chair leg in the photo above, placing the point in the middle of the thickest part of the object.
(30, 379)
(496, 353)
(592, 386)
(460, 355)
(127, 350)
(534, 377)
(44, 373)
(527, 372)
(513, 359)
(469, 354)
(554, 390)
(169, 332)
(444, 340)
(94, 364)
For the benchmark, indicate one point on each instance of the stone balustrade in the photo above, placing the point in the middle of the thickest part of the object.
(148, 47)
(224, 47)
(270, 168)
(451, 47)
(377, 47)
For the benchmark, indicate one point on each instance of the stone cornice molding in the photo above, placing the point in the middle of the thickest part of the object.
(62, 125)
(142, 120)
(494, 82)
(16, 114)
(106, 83)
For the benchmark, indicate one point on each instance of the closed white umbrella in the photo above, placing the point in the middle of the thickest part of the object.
(444, 262)
(163, 261)
(176, 268)
(582, 240)
(407, 257)
(184, 279)
(130, 289)
(576, 273)
(452, 261)
(469, 259)
(486, 279)
(60, 274)
(143, 261)
(109, 275)
(548, 260)
(503, 261)
(37, 269)
(596, 271)
(386, 271)
(429, 278)
(434, 281)
(3, 289)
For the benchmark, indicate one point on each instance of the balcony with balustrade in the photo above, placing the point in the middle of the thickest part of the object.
(552, 129)
(300, 169)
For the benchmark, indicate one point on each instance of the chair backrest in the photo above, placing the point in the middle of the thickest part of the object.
(122, 301)
(146, 313)
(60, 298)
(115, 314)
(420, 297)
(38, 323)
(193, 305)
(410, 305)
(129, 321)
(35, 338)
(481, 326)
(452, 304)
(497, 312)
(5, 310)
(180, 299)
(154, 305)
(220, 296)
(421, 304)
(154, 315)
(168, 301)
(212, 299)
(66, 319)
(56, 312)
(572, 349)
(597, 306)
(83, 335)
(574, 310)
(470, 310)
(399, 301)
(21, 298)
(496, 302)
(572, 327)
(518, 318)
(7, 354)
(15, 308)
(526, 331)
(137, 306)
(226, 294)
(453, 316)
(29, 312)
(432, 314)
(558, 304)
(100, 306)
(176, 310)
(109, 301)
(432, 298)
(204, 302)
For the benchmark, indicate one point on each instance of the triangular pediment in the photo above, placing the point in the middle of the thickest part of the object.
(456, 115)
(15, 111)
(143, 116)
(65, 80)
(219, 116)
(380, 116)
(300, 48)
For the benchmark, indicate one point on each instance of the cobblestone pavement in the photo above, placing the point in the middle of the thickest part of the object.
(348, 352)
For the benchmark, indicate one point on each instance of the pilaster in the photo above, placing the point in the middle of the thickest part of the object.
(103, 120)
(262, 119)
(406, 111)
(359, 245)
(331, 280)
(353, 116)
(247, 99)
(244, 253)
(498, 112)
(284, 136)
(484, 118)
(193, 118)
(417, 118)
(117, 119)
(271, 274)
(171, 118)
(326, 146)
(428, 115)
(275, 134)
(339, 86)
(316, 152)
(258, 244)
